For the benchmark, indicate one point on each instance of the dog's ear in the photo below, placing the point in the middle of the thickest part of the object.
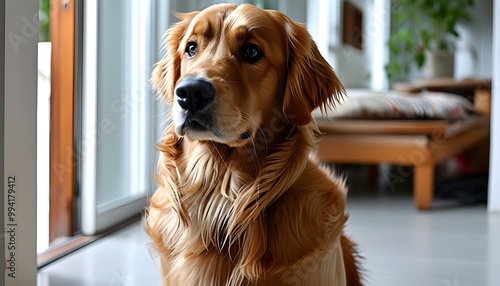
(167, 70)
(311, 81)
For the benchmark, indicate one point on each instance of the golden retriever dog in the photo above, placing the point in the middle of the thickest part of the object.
(239, 200)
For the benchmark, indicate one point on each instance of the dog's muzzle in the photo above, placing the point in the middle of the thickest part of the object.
(194, 98)
(194, 94)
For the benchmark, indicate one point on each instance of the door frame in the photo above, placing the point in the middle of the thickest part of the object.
(62, 114)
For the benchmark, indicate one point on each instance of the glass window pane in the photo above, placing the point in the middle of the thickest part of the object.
(111, 130)
(118, 112)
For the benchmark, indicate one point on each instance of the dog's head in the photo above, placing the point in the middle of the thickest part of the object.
(230, 70)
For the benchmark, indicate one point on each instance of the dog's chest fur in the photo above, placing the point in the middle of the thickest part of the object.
(203, 247)
(235, 229)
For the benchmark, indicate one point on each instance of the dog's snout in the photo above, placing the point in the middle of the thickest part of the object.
(194, 94)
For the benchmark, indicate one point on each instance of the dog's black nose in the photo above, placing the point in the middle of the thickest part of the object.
(194, 94)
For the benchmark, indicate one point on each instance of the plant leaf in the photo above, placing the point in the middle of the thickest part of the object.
(420, 59)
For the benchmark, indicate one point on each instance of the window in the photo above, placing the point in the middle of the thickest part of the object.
(117, 140)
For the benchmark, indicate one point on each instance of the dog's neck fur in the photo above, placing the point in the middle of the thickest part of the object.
(194, 166)
(221, 198)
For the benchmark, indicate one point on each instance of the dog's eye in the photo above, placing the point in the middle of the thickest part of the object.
(252, 53)
(191, 49)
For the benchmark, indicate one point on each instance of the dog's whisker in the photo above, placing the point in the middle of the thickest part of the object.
(290, 133)
(251, 121)
(223, 160)
(253, 157)
(223, 80)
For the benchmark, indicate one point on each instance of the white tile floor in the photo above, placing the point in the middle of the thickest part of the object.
(122, 258)
(447, 246)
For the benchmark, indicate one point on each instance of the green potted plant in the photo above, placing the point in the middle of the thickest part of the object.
(424, 32)
(44, 18)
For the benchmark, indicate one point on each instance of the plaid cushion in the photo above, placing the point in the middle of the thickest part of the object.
(363, 104)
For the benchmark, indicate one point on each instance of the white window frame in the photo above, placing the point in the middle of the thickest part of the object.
(97, 218)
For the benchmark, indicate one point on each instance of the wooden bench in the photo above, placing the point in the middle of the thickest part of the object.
(418, 143)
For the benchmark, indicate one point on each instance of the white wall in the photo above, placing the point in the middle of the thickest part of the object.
(18, 112)
(356, 68)
(352, 65)
(494, 177)
(2, 123)
(324, 22)
(474, 49)
(295, 9)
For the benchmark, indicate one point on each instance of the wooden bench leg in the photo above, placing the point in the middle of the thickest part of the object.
(423, 186)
